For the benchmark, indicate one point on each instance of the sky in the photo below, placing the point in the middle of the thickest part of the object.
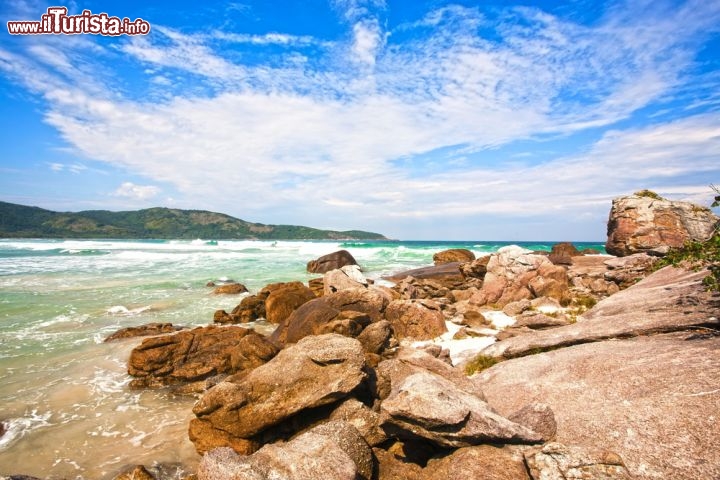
(452, 120)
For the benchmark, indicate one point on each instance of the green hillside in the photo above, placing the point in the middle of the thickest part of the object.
(32, 222)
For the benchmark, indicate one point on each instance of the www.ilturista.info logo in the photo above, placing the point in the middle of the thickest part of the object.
(56, 22)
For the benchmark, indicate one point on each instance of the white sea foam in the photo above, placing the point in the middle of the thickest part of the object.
(16, 428)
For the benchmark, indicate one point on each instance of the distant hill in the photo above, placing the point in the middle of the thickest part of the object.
(33, 222)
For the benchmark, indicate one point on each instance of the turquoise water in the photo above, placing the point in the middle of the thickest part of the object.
(63, 392)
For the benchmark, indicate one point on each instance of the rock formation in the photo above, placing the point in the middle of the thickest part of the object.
(461, 255)
(647, 223)
(197, 354)
(331, 261)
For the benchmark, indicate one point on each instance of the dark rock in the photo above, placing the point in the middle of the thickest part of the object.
(309, 319)
(331, 261)
(230, 289)
(143, 331)
(316, 371)
(418, 319)
(447, 274)
(640, 223)
(563, 253)
(192, 355)
(371, 301)
(452, 255)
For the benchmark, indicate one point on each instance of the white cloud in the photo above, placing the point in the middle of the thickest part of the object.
(324, 146)
(137, 192)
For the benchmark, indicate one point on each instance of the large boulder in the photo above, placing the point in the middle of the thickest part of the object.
(327, 314)
(284, 299)
(461, 255)
(331, 261)
(431, 407)
(417, 319)
(193, 355)
(348, 276)
(332, 450)
(316, 371)
(670, 299)
(645, 222)
(651, 399)
(514, 273)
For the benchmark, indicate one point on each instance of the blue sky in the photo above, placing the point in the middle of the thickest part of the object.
(416, 119)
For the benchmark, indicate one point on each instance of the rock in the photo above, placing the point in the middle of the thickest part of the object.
(516, 308)
(409, 361)
(205, 437)
(317, 285)
(514, 273)
(350, 441)
(418, 319)
(230, 289)
(331, 261)
(555, 460)
(447, 274)
(309, 319)
(643, 398)
(192, 355)
(452, 255)
(143, 331)
(670, 299)
(428, 406)
(484, 462)
(332, 451)
(371, 301)
(285, 299)
(138, 472)
(412, 288)
(3, 429)
(389, 467)
(316, 371)
(377, 337)
(341, 279)
(250, 309)
(627, 271)
(476, 268)
(539, 418)
(473, 318)
(366, 421)
(538, 321)
(640, 223)
(563, 253)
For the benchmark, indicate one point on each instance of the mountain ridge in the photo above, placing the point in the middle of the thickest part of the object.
(22, 221)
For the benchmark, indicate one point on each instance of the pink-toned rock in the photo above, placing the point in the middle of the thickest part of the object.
(418, 319)
(643, 223)
(514, 273)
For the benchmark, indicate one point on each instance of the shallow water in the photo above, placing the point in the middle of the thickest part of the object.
(63, 393)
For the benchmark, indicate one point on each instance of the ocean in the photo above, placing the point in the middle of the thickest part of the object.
(64, 400)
